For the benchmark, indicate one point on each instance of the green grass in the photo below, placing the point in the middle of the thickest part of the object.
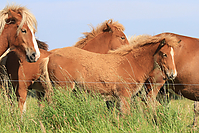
(67, 113)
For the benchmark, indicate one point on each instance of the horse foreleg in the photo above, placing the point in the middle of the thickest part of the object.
(124, 105)
(21, 93)
(124, 96)
(196, 112)
(153, 85)
(152, 92)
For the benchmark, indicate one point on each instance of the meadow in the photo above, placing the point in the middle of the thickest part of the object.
(88, 113)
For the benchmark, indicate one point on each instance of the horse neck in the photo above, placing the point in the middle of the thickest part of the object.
(3, 43)
(44, 53)
(22, 57)
(142, 62)
(99, 44)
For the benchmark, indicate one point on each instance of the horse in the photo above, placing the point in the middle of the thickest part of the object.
(117, 75)
(20, 72)
(106, 36)
(186, 82)
(17, 27)
(109, 33)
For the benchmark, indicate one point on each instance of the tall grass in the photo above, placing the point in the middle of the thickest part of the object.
(88, 113)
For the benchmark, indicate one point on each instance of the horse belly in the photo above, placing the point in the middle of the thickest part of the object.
(186, 82)
(189, 90)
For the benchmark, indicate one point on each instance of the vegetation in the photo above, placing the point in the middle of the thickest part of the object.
(88, 113)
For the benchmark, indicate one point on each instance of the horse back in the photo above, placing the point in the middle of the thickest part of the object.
(74, 64)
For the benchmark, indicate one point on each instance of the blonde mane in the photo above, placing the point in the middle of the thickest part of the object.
(96, 31)
(27, 17)
(141, 40)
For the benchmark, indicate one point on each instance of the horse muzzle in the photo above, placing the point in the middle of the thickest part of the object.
(32, 57)
(170, 75)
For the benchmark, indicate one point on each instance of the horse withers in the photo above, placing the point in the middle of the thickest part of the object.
(119, 74)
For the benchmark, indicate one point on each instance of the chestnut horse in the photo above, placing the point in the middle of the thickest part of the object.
(109, 34)
(186, 60)
(119, 74)
(103, 34)
(17, 28)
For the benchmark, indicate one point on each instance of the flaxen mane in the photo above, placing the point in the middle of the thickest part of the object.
(142, 40)
(27, 17)
(95, 31)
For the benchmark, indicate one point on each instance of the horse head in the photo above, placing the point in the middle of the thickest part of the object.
(118, 36)
(20, 35)
(164, 60)
(106, 36)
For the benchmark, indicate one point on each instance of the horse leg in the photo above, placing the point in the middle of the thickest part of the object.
(124, 97)
(21, 96)
(40, 96)
(124, 105)
(153, 85)
(196, 112)
(40, 93)
(152, 92)
(109, 104)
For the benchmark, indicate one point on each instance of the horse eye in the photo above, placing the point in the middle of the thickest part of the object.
(164, 55)
(123, 37)
(23, 31)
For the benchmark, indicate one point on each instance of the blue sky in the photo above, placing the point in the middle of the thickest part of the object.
(61, 22)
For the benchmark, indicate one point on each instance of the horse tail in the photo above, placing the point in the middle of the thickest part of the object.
(45, 79)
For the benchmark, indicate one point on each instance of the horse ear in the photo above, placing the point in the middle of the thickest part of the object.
(163, 42)
(107, 29)
(11, 19)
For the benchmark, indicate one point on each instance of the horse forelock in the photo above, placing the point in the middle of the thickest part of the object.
(171, 40)
(141, 40)
(96, 31)
(27, 17)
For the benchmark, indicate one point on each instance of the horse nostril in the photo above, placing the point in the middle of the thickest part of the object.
(33, 54)
(31, 57)
(171, 77)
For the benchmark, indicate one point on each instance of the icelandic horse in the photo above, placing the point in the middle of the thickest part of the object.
(118, 75)
(17, 32)
(187, 62)
(108, 35)
(17, 29)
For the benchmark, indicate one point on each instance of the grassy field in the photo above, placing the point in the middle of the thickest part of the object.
(67, 113)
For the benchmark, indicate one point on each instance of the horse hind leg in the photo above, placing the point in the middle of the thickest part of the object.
(111, 102)
(40, 97)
